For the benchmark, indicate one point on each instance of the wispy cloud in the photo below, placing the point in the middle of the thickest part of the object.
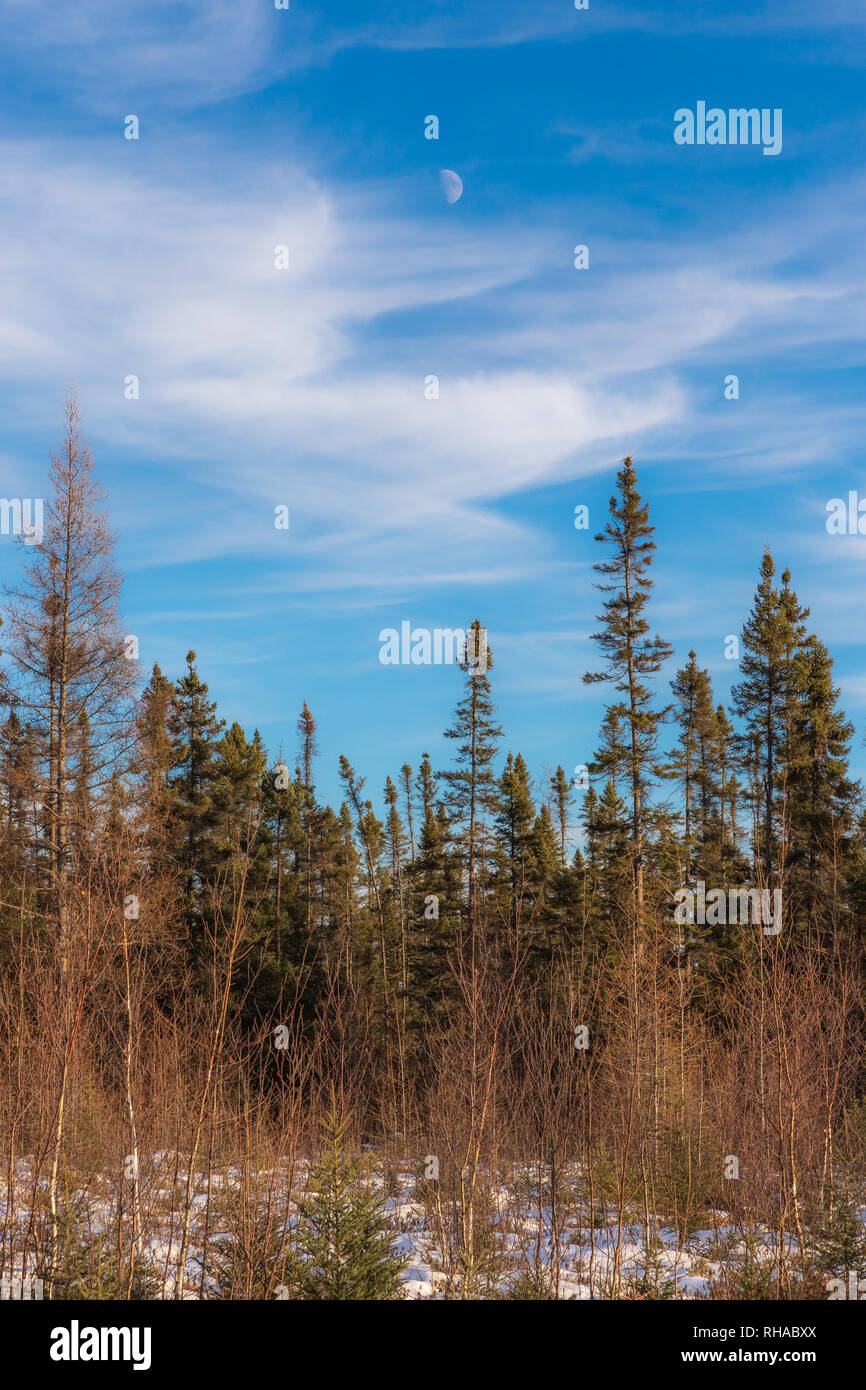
(201, 51)
(306, 387)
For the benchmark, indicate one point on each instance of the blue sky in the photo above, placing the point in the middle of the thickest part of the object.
(305, 387)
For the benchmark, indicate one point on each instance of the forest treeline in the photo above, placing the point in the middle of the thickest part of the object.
(199, 955)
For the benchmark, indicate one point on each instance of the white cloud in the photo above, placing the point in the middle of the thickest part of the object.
(193, 52)
(306, 387)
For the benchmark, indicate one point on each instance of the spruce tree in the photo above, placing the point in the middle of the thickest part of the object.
(611, 761)
(371, 835)
(606, 826)
(344, 1248)
(545, 868)
(153, 762)
(692, 763)
(397, 886)
(822, 797)
(730, 791)
(238, 771)
(345, 878)
(425, 783)
(435, 903)
(195, 731)
(472, 791)
(562, 798)
(239, 849)
(406, 784)
(308, 748)
(514, 818)
(631, 654)
(765, 699)
(282, 815)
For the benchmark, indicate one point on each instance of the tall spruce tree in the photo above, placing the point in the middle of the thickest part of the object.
(545, 868)
(561, 792)
(472, 791)
(153, 761)
(606, 827)
(425, 783)
(765, 699)
(372, 839)
(514, 818)
(822, 797)
(435, 902)
(729, 791)
(238, 772)
(692, 762)
(308, 749)
(239, 839)
(195, 731)
(406, 784)
(397, 885)
(282, 814)
(631, 654)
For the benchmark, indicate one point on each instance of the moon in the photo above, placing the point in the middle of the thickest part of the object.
(452, 185)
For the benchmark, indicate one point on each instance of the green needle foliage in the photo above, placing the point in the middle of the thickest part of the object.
(839, 1246)
(344, 1244)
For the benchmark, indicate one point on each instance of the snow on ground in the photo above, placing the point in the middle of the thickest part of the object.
(520, 1233)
